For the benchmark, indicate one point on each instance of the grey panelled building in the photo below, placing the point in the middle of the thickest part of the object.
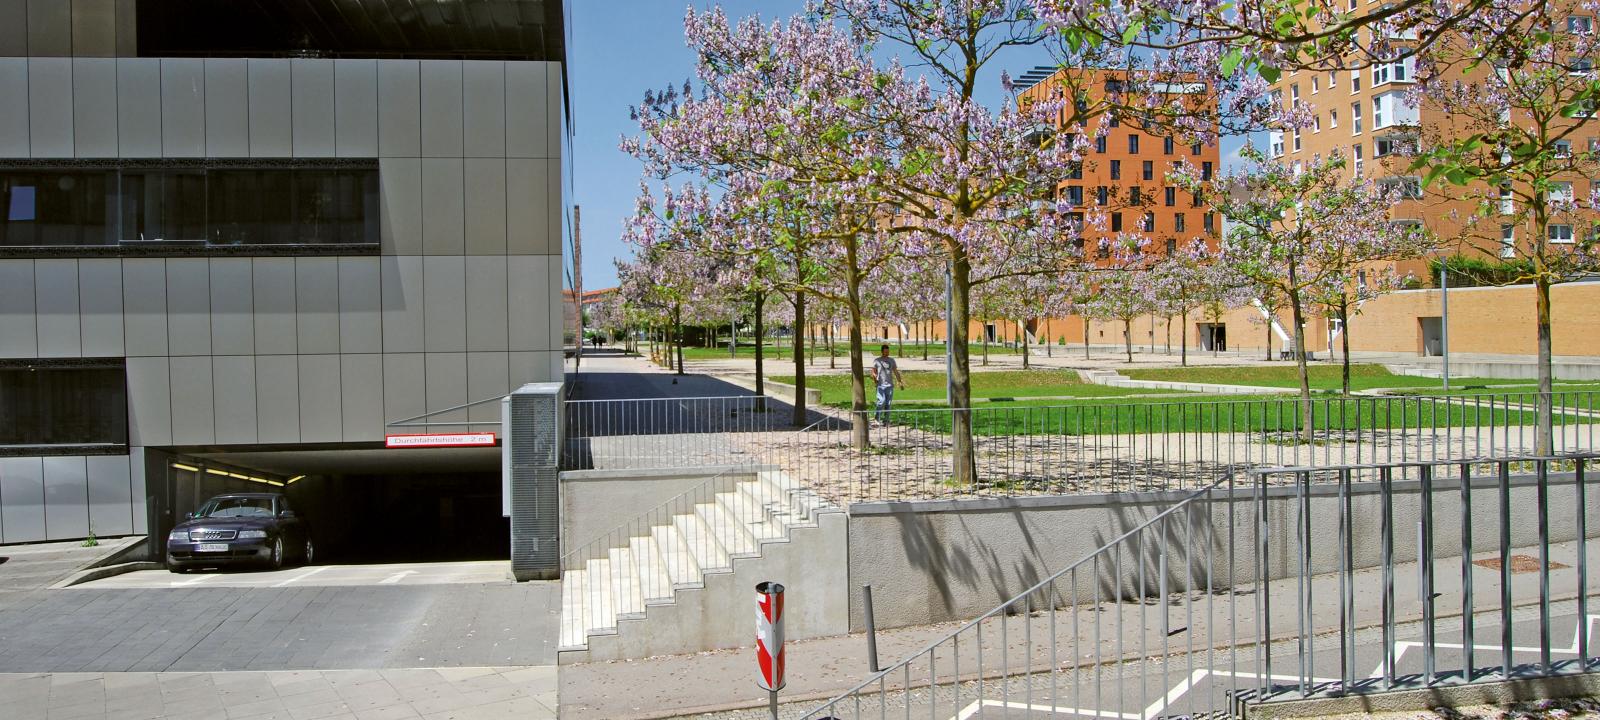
(238, 238)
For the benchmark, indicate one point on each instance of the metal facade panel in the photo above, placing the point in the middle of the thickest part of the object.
(551, 302)
(189, 306)
(22, 499)
(526, 115)
(399, 109)
(138, 107)
(360, 305)
(485, 181)
(312, 107)
(110, 495)
(60, 329)
(233, 326)
(554, 109)
(320, 412)
(19, 321)
(149, 401)
(400, 222)
(441, 108)
(14, 28)
(278, 398)
(527, 278)
(444, 207)
(144, 303)
(487, 301)
(183, 107)
(193, 415)
(271, 129)
(136, 468)
(402, 303)
(484, 101)
(50, 107)
(317, 304)
(234, 377)
(355, 111)
(488, 374)
(527, 196)
(227, 107)
(404, 386)
(447, 385)
(66, 497)
(94, 28)
(274, 305)
(94, 107)
(445, 303)
(14, 111)
(361, 391)
(100, 302)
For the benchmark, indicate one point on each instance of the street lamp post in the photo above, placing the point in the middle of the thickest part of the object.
(1444, 319)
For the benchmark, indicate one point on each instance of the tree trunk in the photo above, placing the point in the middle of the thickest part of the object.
(677, 319)
(1049, 340)
(1296, 317)
(1168, 347)
(900, 340)
(1344, 342)
(798, 350)
(761, 342)
(1022, 326)
(1127, 337)
(1269, 336)
(1546, 440)
(1183, 336)
(964, 468)
(984, 330)
(1086, 337)
(859, 438)
(827, 333)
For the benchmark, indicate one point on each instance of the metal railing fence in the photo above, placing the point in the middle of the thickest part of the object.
(1194, 610)
(667, 432)
(1167, 445)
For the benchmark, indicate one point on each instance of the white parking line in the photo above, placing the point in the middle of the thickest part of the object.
(196, 580)
(397, 577)
(303, 575)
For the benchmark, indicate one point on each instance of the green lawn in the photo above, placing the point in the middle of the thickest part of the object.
(1213, 414)
(841, 349)
(923, 385)
(1324, 376)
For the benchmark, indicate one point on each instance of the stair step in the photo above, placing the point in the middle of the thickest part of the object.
(802, 503)
(729, 529)
(701, 542)
(601, 613)
(624, 582)
(763, 524)
(574, 600)
(651, 574)
(680, 564)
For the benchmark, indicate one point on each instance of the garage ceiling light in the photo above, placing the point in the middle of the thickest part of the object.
(293, 479)
(215, 471)
(182, 466)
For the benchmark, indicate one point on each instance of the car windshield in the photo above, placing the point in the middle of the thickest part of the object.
(235, 507)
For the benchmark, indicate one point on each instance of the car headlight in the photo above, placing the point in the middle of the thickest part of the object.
(179, 535)
(252, 534)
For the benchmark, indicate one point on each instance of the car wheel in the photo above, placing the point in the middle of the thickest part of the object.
(308, 554)
(276, 560)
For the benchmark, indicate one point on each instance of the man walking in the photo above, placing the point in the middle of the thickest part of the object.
(885, 373)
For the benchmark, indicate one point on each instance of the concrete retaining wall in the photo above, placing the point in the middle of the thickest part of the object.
(953, 560)
(594, 502)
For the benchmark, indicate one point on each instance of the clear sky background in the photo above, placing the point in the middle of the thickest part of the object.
(619, 49)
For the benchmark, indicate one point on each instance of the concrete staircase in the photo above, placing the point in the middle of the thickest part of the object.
(618, 587)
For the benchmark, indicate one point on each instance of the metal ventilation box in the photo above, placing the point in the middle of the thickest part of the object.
(530, 485)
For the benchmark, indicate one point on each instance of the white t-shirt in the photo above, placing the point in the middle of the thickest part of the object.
(884, 367)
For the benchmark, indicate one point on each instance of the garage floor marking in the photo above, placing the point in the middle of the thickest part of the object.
(397, 577)
(302, 576)
(193, 581)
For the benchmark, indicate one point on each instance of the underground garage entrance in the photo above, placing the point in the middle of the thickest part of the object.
(361, 505)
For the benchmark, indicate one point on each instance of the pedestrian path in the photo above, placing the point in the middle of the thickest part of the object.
(449, 693)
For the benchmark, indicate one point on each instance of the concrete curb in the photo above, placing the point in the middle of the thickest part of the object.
(776, 390)
(105, 571)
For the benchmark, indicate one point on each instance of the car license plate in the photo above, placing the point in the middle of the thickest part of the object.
(212, 547)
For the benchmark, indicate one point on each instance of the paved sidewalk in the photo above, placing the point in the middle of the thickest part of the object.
(466, 693)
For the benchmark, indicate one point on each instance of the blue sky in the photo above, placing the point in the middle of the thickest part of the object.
(620, 48)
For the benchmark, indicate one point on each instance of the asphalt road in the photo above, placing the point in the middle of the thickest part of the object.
(389, 574)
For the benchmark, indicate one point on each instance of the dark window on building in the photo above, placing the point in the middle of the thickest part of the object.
(1135, 195)
(53, 207)
(1194, 149)
(1075, 171)
(1133, 144)
(1205, 171)
(1100, 144)
(1075, 195)
(1210, 223)
(1172, 246)
(189, 206)
(76, 402)
(1177, 222)
(1149, 222)
(1167, 145)
(1101, 195)
(1116, 169)
(1116, 120)
(1171, 196)
(1196, 198)
(1149, 170)
(1116, 222)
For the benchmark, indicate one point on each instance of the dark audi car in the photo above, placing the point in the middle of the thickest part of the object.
(239, 528)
